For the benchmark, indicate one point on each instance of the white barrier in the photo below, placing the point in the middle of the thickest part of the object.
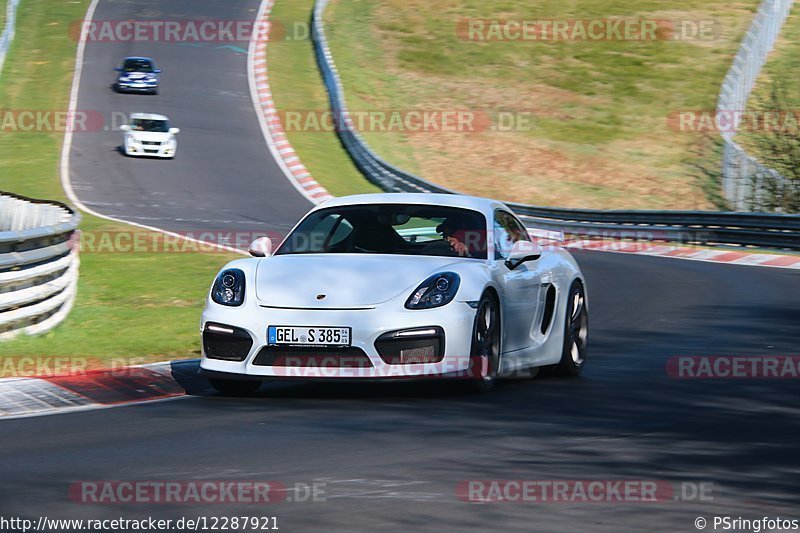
(38, 264)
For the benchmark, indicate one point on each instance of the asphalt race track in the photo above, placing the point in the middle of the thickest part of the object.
(390, 456)
(223, 176)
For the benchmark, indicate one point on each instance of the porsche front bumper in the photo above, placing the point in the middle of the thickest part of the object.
(362, 360)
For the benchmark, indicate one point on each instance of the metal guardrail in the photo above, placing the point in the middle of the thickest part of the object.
(8, 31)
(38, 264)
(690, 227)
(743, 177)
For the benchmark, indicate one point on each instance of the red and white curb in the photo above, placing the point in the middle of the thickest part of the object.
(711, 255)
(271, 126)
(94, 389)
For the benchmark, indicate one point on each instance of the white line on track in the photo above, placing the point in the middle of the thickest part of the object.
(66, 182)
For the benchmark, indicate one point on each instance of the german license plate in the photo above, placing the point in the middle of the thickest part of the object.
(308, 336)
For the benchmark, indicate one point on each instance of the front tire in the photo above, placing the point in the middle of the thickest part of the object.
(485, 350)
(576, 331)
(235, 387)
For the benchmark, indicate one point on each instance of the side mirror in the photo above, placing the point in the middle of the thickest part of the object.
(174, 131)
(521, 252)
(118, 69)
(125, 127)
(157, 71)
(261, 247)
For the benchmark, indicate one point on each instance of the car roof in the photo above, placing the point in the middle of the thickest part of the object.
(148, 116)
(139, 57)
(484, 205)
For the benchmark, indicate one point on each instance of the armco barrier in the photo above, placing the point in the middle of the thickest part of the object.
(690, 227)
(38, 264)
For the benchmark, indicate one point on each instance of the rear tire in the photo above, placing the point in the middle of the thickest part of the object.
(576, 332)
(485, 351)
(234, 387)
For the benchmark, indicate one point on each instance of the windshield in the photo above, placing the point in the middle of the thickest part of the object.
(138, 65)
(390, 229)
(158, 126)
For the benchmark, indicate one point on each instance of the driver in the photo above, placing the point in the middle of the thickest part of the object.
(454, 234)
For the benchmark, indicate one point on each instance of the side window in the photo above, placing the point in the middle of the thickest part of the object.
(507, 231)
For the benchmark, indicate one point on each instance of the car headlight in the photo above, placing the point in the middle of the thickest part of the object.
(228, 288)
(436, 291)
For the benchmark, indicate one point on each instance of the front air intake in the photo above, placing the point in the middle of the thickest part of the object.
(224, 342)
(410, 346)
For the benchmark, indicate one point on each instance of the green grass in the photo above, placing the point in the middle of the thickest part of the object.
(783, 64)
(599, 135)
(140, 306)
(297, 86)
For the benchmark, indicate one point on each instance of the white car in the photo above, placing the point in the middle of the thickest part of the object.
(149, 135)
(396, 286)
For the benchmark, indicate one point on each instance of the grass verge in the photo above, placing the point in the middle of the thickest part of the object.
(297, 86)
(138, 306)
(599, 134)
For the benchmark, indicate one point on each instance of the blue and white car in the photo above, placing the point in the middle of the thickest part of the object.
(137, 74)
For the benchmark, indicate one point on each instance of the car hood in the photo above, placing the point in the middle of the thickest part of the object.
(150, 136)
(138, 75)
(346, 280)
